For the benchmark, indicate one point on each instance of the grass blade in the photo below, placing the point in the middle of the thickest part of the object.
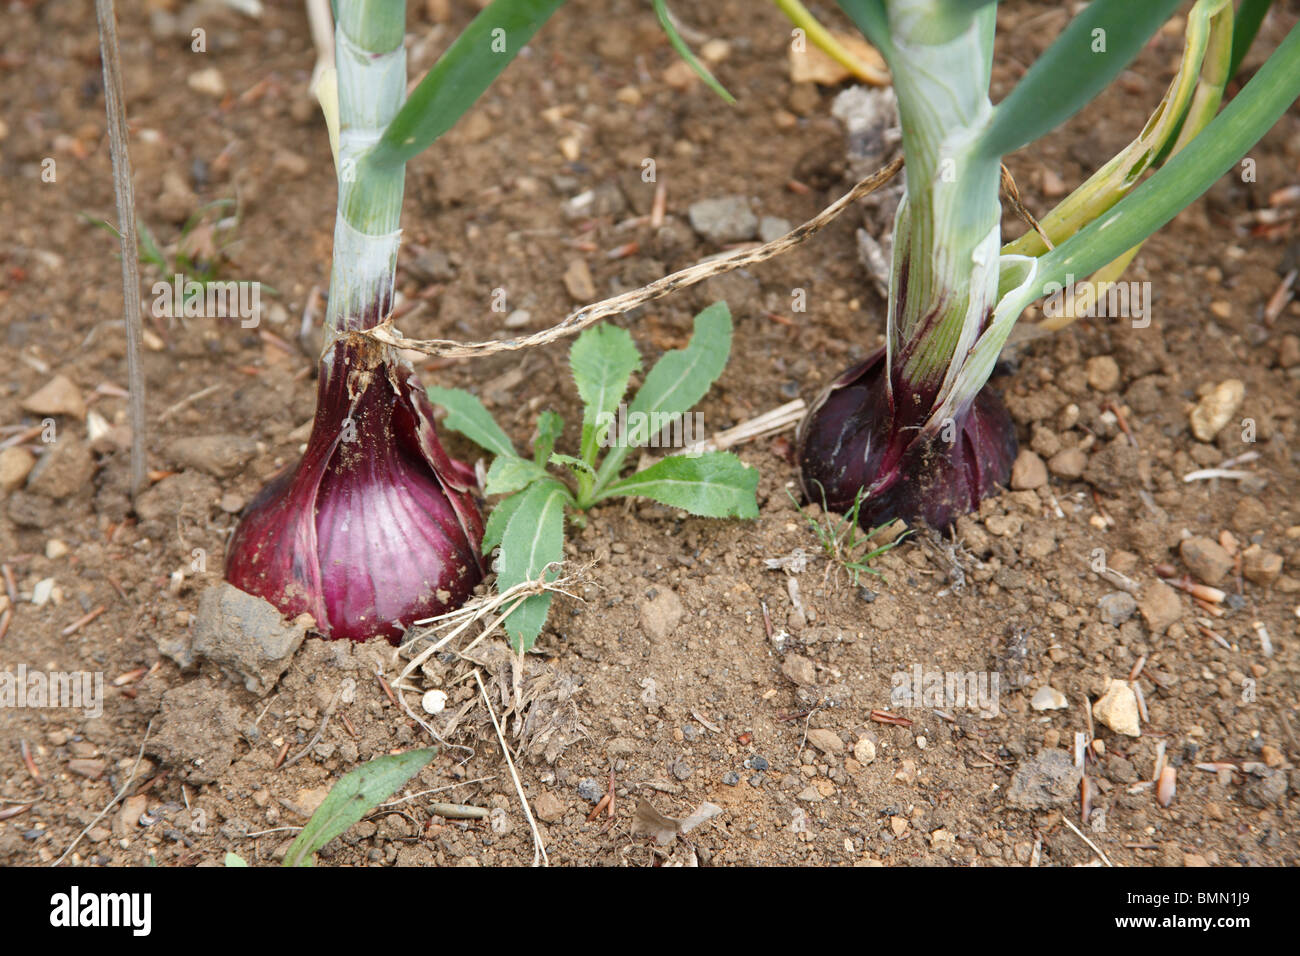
(355, 795)
(684, 51)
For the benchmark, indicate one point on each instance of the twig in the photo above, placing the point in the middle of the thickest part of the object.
(591, 314)
(117, 138)
(1094, 846)
(109, 806)
(189, 400)
(458, 811)
(539, 848)
(329, 712)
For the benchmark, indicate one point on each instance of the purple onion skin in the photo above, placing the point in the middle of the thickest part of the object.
(856, 438)
(370, 534)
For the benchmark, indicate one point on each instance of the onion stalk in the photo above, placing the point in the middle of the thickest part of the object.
(376, 527)
(913, 432)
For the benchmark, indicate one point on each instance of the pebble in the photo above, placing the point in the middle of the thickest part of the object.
(549, 808)
(1160, 606)
(864, 751)
(577, 279)
(232, 503)
(1049, 698)
(1206, 559)
(43, 591)
(55, 549)
(771, 228)
(1216, 409)
(799, 669)
(590, 790)
(1117, 708)
(661, 614)
(434, 701)
(1260, 566)
(1048, 779)
(1068, 463)
(723, 220)
(208, 81)
(221, 456)
(827, 741)
(758, 763)
(1103, 373)
(731, 778)
(58, 396)
(1028, 472)
(1117, 607)
(518, 319)
(65, 469)
(15, 465)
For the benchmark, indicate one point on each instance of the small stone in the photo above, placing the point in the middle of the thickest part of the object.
(1216, 409)
(758, 763)
(549, 808)
(65, 469)
(58, 396)
(1267, 790)
(1250, 515)
(1117, 708)
(1068, 463)
(864, 751)
(232, 503)
(1206, 559)
(434, 701)
(723, 220)
(221, 456)
(1271, 755)
(1028, 472)
(577, 279)
(799, 669)
(827, 741)
(590, 791)
(208, 81)
(55, 549)
(518, 319)
(1160, 606)
(1288, 352)
(1049, 698)
(245, 636)
(43, 591)
(810, 794)
(1260, 566)
(898, 823)
(1116, 607)
(661, 614)
(15, 465)
(681, 770)
(731, 778)
(1048, 779)
(1103, 373)
(771, 228)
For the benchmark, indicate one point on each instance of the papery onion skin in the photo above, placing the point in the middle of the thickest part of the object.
(860, 436)
(376, 526)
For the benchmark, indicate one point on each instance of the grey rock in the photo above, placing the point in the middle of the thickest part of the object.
(1268, 790)
(722, 220)
(771, 228)
(245, 636)
(590, 790)
(1117, 607)
(1049, 779)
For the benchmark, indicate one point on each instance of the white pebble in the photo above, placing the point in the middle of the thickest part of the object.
(434, 701)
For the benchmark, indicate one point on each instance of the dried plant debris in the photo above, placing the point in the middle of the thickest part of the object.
(664, 829)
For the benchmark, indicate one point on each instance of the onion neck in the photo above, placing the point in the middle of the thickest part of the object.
(947, 231)
(371, 64)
